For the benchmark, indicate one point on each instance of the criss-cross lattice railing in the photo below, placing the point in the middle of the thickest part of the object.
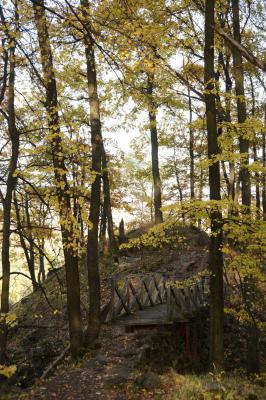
(184, 302)
(137, 292)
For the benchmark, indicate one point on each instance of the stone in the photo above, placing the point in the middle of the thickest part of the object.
(148, 381)
(212, 387)
(129, 352)
(251, 396)
(114, 381)
(25, 300)
(101, 359)
(95, 365)
(120, 376)
(32, 338)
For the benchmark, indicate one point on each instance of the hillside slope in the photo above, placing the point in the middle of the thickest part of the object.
(121, 362)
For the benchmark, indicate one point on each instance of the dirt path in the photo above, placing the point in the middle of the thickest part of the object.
(106, 373)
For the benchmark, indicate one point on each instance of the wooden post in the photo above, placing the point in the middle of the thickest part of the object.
(187, 339)
(112, 310)
(169, 305)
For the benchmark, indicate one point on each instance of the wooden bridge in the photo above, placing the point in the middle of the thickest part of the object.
(154, 299)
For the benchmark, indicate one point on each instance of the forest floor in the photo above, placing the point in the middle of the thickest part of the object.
(124, 366)
(116, 371)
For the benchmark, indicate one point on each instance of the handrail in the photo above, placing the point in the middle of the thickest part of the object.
(136, 292)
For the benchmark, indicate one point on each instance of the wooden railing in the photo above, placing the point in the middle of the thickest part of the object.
(184, 302)
(137, 292)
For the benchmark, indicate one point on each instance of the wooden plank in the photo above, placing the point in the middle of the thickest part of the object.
(122, 300)
(152, 289)
(148, 293)
(176, 304)
(181, 300)
(158, 288)
(147, 318)
(189, 302)
(135, 295)
(196, 298)
(169, 303)
(110, 317)
(150, 316)
(138, 294)
(200, 294)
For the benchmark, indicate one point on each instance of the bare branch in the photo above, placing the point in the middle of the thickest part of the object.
(242, 49)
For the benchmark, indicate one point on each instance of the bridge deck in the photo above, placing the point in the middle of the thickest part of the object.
(153, 299)
(156, 315)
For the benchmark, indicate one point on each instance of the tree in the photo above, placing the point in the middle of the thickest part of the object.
(29, 252)
(87, 70)
(154, 151)
(241, 110)
(67, 220)
(96, 166)
(13, 134)
(215, 252)
(252, 337)
(236, 44)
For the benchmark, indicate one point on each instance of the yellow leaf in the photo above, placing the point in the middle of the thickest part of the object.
(7, 371)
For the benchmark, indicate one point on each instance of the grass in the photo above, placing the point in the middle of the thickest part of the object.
(217, 387)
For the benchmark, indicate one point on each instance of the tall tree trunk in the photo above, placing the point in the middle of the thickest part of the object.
(97, 146)
(7, 201)
(241, 110)
(31, 243)
(103, 230)
(255, 155)
(28, 256)
(41, 272)
(201, 185)
(69, 238)
(264, 165)
(257, 180)
(252, 331)
(191, 149)
(154, 152)
(108, 205)
(122, 234)
(215, 256)
(41, 248)
(225, 63)
(179, 188)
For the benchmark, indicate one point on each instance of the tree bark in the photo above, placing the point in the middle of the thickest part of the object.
(41, 272)
(179, 188)
(264, 165)
(241, 49)
(252, 331)
(60, 173)
(94, 215)
(28, 255)
(108, 205)
(154, 152)
(255, 155)
(215, 254)
(7, 201)
(225, 62)
(122, 234)
(103, 230)
(31, 243)
(241, 110)
(191, 149)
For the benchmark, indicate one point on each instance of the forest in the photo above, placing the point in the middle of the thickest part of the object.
(133, 199)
